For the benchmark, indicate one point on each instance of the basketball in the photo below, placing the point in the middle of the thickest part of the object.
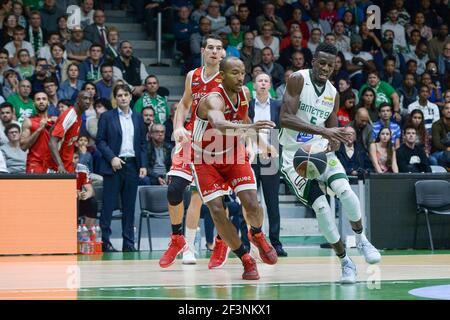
(310, 160)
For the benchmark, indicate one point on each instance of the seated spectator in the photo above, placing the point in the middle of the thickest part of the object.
(182, 29)
(7, 33)
(282, 87)
(447, 96)
(230, 50)
(105, 84)
(350, 27)
(92, 90)
(45, 52)
(340, 70)
(420, 56)
(236, 36)
(316, 23)
(367, 102)
(283, 9)
(85, 155)
(416, 120)
(218, 22)
(296, 45)
(51, 89)
(19, 12)
(112, 47)
(87, 12)
(247, 22)
(34, 33)
(286, 41)
(4, 66)
(411, 157)
(434, 81)
(437, 44)
(346, 106)
(90, 68)
(382, 152)
(267, 39)
(250, 55)
(18, 43)
(363, 128)
(199, 11)
(169, 125)
(101, 105)
(350, 5)
(358, 62)
(342, 41)
(279, 29)
(398, 29)
(353, 156)
(345, 85)
(14, 156)
(315, 39)
(298, 61)
(389, 75)
(63, 30)
(6, 118)
(59, 65)
(153, 99)
(275, 70)
(443, 60)
(42, 71)
(24, 68)
(250, 85)
(78, 47)
(329, 12)
(3, 168)
(69, 88)
(196, 41)
(440, 130)
(387, 50)
(296, 18)
(21, 101)
(413, 40)
(385, 115)
(159, 156)
(370, 41)
(429, 109)
(148, 114)
(419, 24)
(407, 93)
(10, 83)
(64, 105)
(411, 67)
(232, 10)
(49, 15)
(97, 31)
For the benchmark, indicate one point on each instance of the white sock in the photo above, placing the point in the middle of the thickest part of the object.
(190, 237)
(360, 237)
(345, 260)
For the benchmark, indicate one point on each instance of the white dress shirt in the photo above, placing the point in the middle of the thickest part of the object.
(126, 123)
(262, 112)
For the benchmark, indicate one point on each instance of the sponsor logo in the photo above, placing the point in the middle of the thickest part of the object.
(333, 163)
(195, 83)
(237, 181)
(218, 80)
(328, 99)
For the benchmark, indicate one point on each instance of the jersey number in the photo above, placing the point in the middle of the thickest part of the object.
(313, 120)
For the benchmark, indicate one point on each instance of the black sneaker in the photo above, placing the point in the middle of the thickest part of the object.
(280, 251)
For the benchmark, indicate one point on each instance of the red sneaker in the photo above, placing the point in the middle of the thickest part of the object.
(220, 254)
(176, 246)
(250, 270)
(266, 251)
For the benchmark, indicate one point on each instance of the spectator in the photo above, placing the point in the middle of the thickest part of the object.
(350, 28)
(24, 68)
(411, 67)
(7, 33)
(420, 56)
(384, 93)
(23, 105)
(101, 105)
(413, 41)
(85, 155)
(159, 157)
(256, 70)
(199, 11)
(279, 29)
(58, 63)
(250, 55)
(10, 83)
(42, 71)
(51, 89)
(298, 61)
(286, 41)
(112, 47)
(153, 99)
(3, 168)
(63, 105)
(435, 91)
(4, 66)
(63, 30)
(87, 13)
(90, 68)
(370, 41)
(19, 12)
(296, 45)
(169, 125)
(97, 31)
(105, 84)
(368, 102)
(78, 47)
(45, 52)
(385, 115)
(18, 43)
(358, 62)
(437, 44)
(399, 30)
(315, 39)
(230, 50)
(440, 130)
(429, 109)
(316, 23)
(148, 114)
(416, 119)
(363, 128)
(389, 75)
(407, 93)
(247, 23)
(35, 33)
(272, 68)
(6, 118)
(382, 153)
(267, 39)
(218, 22)
(130, 69)
(282, 87)
(90, 88)
(444, 61)
(300, 24)
(49, 15)
(182, 29)
(346, 108)
(236, 36)
(342, 41)
(353, 156)
(410, 156)
(233, 8)
(350, 5)
(329, 12)
(346, 85)
(340, 71)
(69, 88)
(403, 15)
(6, 7)
(196, 40)
(419, 24)
(447, 96)
(14, 156)
(387, 50)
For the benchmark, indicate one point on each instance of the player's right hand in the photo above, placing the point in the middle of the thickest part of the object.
(263, 124)
(116, 163)
(181, 135)
(339, 134)
(42, 123)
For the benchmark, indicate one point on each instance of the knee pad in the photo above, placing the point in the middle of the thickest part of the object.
(175, 190)
(314, 192)
(327, 224)
(348, 198)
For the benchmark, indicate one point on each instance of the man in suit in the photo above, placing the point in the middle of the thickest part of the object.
(122, 144)
(97, 32)
(264, 108)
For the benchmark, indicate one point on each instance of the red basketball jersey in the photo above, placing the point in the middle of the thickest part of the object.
(210, 142)
(39, 152)
(200, 88)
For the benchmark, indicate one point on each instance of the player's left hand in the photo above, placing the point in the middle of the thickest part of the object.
(61, 169)
(142, 172)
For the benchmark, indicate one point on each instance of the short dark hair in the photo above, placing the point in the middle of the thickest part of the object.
(409, 126)
(213, 36)
(105, 102)
(96, 45)
(4, 51)
(105, 65)
(383, 105)
(59, 45)
(389, 58)
(19, 29)
(10, 126)
(50, 80)
(123, 87)
(7, 105)
(327, 48)
(151, 76)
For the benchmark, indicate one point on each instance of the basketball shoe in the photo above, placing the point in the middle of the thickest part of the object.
(369, 252)
(220, 254)
(189, 256)
(176, 246)
(250, 269)
(348, 271)
(266, 252)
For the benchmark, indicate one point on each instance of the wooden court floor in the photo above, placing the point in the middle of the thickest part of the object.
(305, 274)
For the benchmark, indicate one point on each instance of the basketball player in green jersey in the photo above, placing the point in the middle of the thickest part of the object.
(309, 115)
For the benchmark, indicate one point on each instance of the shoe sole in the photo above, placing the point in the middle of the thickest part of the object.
(168, 265)
(223, 263)
(370, 261)
(256, 277)
(347, 282)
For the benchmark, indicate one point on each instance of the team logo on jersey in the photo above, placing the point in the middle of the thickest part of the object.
(328, 99)
(244, 103)
(218, 80)
(333, 163)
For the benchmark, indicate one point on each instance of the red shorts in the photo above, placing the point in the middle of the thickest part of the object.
(181, 162)
(36, 167)
(214, 181)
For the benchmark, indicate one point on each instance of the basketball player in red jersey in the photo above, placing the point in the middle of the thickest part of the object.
(35, 136)
(66, 132)
(220, 165)
(198, 83)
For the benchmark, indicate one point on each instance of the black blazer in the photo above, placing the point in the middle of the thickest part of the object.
(109, 140)
(92, 34)
(275, 107)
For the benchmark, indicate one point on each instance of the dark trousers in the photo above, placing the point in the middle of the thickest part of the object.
(270, 185)
(123, 183)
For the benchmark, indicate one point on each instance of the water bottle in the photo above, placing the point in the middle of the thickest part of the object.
(84, 233)
(79, 233)
(198, 240)
(92, 233)
(98, 233)
(135, 233)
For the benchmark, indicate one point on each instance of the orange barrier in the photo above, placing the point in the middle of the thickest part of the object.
(38, 214)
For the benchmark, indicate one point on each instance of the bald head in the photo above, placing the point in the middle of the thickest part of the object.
(362, 118)
(229, 62)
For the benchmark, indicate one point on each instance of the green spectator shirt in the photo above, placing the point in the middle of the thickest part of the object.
(159, 104)
(34, 4)
(383, 91)
(22, 109)
(250, 86)
(235, 42)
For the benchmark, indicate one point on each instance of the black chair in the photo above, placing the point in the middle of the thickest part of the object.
(432, 197)
(153, 204)
(98, 190)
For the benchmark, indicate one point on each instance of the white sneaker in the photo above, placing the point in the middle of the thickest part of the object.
(369, 252)
(189, 257)
(348, 271)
